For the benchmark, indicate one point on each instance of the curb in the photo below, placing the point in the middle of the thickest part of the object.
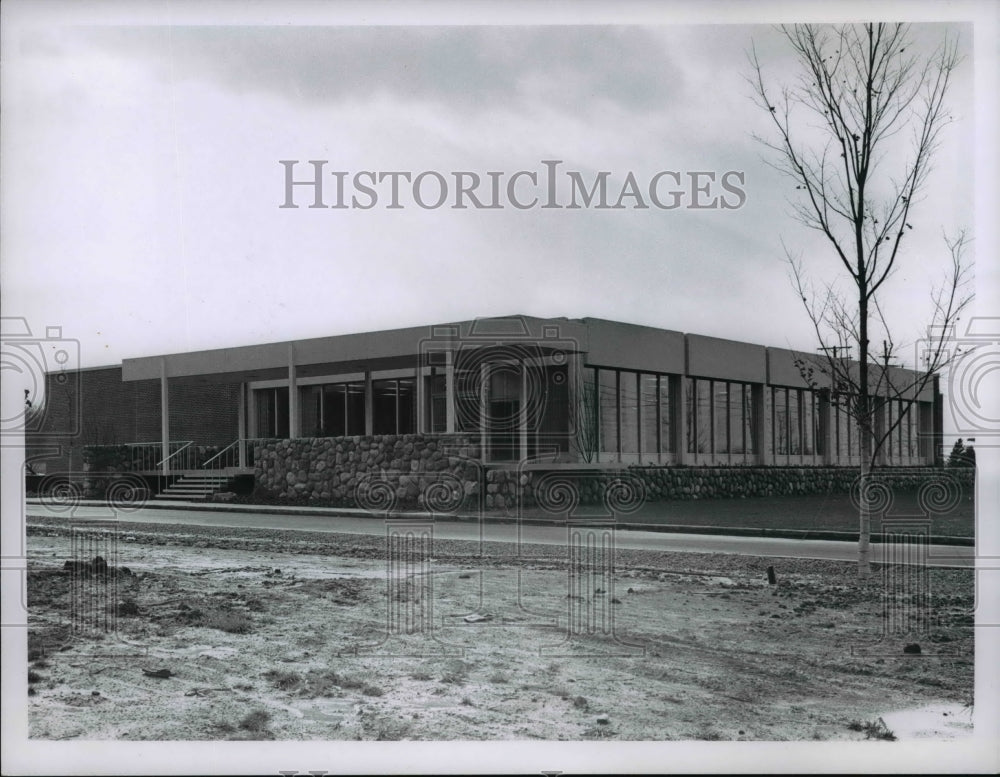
(732, 531)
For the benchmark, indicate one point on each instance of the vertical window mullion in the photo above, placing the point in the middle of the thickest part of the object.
(711, 419)
(637, 379)
(729, 421)
(618, 412)
(743, 417)
(659, 434)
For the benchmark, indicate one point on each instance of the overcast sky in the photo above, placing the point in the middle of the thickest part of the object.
(142, 181)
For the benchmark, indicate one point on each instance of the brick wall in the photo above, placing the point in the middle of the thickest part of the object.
(95, 407)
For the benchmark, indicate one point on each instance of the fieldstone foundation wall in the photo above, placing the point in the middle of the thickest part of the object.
(342, 470)
(443, 472)
(722, 482)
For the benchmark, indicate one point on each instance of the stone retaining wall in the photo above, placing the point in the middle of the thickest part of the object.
(333, 469)
(444, 472)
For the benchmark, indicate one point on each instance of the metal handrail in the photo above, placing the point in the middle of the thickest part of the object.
(231, 451)
(225, 450)
(183, 447)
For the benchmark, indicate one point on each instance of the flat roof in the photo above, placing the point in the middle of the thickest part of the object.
(611, 344)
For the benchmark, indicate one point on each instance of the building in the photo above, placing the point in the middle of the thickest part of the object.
(575, 391)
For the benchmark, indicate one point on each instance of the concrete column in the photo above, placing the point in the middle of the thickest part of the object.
(421, 426)
(294, 421)
(937, 426)
(522, 416)
(241, 426)
(449, 377)
(484, 396)
(574, 402)
(164, 417)
(369, 404)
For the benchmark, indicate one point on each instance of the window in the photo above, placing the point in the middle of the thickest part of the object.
(272, 412)
(703, 415)
(608, 398)
(649, 409)
(553, 426)
(794, 421)
(437, 398)
(666, 411)
(393, 406)
(341, 409)
(737, 425)
(628, 404)
(720, 416)
(780, 421)
(810, 419)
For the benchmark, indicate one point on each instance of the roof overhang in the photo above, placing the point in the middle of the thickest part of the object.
(385, 350)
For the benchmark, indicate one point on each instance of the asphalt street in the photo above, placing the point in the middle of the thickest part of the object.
(630, 539)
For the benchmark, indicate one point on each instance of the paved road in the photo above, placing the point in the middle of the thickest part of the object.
(938, 555)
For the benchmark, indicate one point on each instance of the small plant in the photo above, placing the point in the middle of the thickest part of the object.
(284, 679)
(388, 729)
(256, 721)
(873, 729)
(580, 702)
(348, 683)
(498, 678)
(33, 676)
(598, 732)
(420, 675)
(467, 701)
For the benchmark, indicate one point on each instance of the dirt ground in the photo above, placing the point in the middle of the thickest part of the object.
(199, 633)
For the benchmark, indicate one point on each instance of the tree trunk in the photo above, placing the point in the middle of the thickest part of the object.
(864, 535)
(865, 428)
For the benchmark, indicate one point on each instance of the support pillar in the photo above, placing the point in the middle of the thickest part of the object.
(241, 426)
(164, 418)
(449, 377)
(484, 397)
(575, 408)
(369, 400)
(522, 415)
(420, 425)
(293, 396)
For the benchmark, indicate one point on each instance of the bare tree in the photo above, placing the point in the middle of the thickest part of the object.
(857, 133)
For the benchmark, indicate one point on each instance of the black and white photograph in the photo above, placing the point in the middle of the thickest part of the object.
(475, 388)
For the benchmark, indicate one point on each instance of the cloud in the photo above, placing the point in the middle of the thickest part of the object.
(472, 68)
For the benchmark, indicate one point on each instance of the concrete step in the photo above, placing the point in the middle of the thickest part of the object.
(194, 487)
